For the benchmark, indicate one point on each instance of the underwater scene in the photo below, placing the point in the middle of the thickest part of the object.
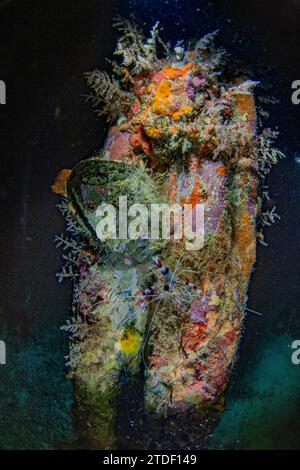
(150, 234)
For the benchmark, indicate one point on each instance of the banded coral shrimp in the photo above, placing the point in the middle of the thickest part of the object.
(165, 287)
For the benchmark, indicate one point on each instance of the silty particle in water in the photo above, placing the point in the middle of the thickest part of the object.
(297, 158)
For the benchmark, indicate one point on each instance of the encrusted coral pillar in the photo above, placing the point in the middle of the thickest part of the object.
(193, 347)
(109, 354)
